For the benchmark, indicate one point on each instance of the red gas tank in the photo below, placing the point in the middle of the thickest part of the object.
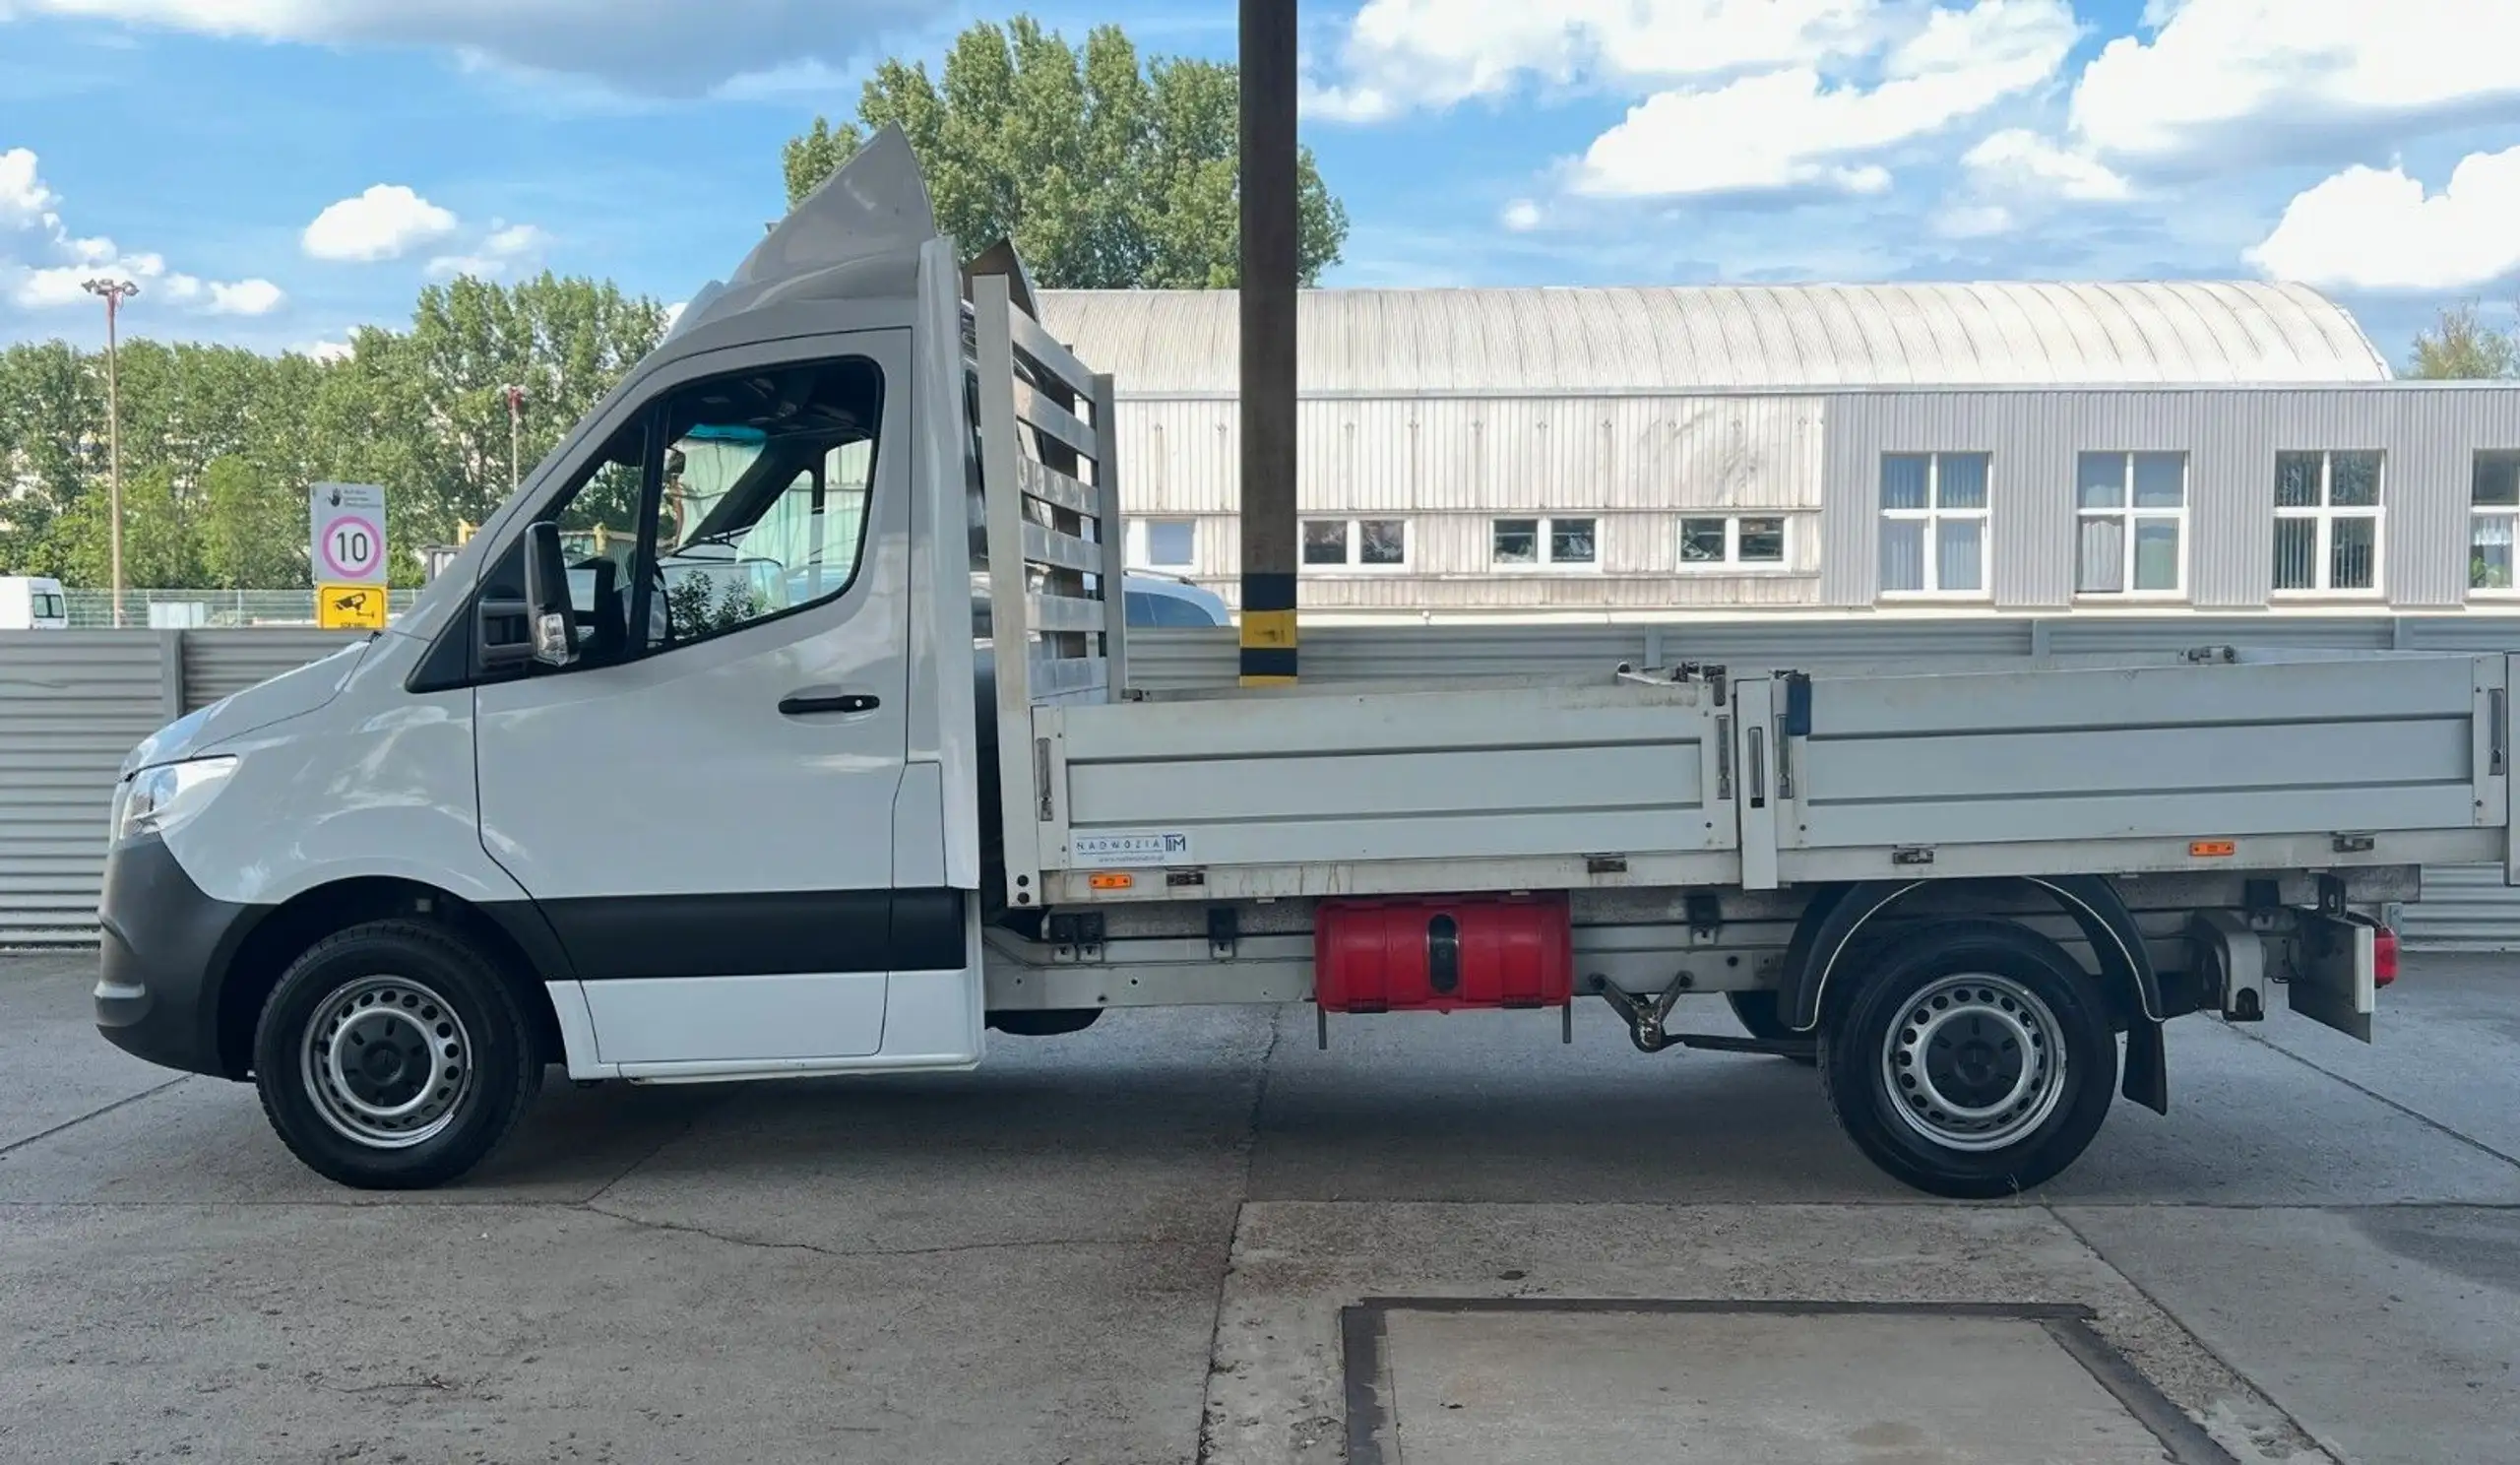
(1442, 953)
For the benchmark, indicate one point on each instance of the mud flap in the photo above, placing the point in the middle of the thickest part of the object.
(2336, 979)
(2147, 1075)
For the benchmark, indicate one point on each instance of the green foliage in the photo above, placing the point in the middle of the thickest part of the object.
(2463, 347)
(219, 444)
(1109, 175)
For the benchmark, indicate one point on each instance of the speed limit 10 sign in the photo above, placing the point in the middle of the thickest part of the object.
(346, 528)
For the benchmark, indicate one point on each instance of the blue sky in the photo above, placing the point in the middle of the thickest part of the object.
(276, 171)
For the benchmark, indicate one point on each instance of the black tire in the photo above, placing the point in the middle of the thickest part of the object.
(1959, 1038)
(1053, 1022)
(1762, 1016)
(403, 990)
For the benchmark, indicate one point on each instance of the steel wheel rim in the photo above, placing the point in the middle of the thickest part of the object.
(387, 1062)
(1975, 1062)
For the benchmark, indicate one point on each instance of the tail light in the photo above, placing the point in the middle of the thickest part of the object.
(2384, 957)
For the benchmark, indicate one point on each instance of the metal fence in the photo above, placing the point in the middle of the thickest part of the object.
(179, 609)
(73, 703)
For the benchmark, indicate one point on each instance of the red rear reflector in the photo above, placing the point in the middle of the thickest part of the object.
(2384, 957)
(2212, 848)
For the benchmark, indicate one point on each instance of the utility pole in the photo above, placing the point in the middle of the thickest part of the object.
(114, 291)
(516, 431)
(1268, 308)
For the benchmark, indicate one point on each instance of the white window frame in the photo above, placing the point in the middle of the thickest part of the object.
(2128, 516)
(1932, 516)
(1355, 545)
(1136, 541)
(2323, 551)
(2479, 513)
(1548, 562)
(1732, 564)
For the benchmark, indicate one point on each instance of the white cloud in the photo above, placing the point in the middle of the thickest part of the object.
(507, 246)
(2021, 160)
(1522, 215)
(1795, 129)
(479, 266)
(652, 47)
(325, 350)
(1973, 221)
(673, 313)
(515, 241)
(45, 267)
(2366, 229)
(1399, 55)
(2243, 80)
(387, 222)
(246, 298)
(25, 202)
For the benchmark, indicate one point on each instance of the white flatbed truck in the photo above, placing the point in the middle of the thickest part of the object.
(692, 767)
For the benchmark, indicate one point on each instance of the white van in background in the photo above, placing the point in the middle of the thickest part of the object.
(30, 602)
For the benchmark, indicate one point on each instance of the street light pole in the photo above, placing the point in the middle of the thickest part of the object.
(114, 292)
(516, 431)
(1270, 259)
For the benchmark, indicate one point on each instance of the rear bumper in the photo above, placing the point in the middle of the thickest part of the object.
(165, 947)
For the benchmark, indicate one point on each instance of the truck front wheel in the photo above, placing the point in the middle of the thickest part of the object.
(1975, 1058)
(392, 1057)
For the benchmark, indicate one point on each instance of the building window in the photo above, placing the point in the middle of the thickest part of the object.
(2493, 513)
(1933, 523)
(2327, 522)
(1356, 543)
(1527, 543)
(2133, 521)
(1733, 542)
(1163, 543)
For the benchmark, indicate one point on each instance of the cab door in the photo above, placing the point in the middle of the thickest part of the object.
(702, 802)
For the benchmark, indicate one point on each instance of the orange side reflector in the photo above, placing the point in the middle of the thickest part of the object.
(2212, 848)
(1111, 883)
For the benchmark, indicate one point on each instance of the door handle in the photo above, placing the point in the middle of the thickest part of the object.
(799, 705)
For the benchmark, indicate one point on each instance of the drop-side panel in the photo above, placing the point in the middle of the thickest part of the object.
(2202, 766)
(1565, 785)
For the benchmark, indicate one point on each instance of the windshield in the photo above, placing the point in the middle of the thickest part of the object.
(50, 606)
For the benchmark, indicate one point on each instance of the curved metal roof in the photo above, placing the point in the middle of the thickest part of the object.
(1176, 342)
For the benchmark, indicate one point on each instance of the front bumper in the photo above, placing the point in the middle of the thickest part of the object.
(166, 947)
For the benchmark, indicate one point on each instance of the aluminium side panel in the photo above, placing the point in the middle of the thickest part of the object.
(1326, 792)
(1898, 769)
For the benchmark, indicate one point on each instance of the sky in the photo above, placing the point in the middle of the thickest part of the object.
(276, 172)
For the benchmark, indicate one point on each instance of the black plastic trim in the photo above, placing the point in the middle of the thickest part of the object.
(756, 934)
(165, 947)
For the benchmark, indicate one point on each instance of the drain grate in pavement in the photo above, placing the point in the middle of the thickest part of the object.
(1507, 1380)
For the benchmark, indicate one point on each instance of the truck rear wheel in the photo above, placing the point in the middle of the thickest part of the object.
(1972, 1059)
(392, 1057)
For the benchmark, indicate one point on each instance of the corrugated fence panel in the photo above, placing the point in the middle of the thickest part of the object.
(2465, 908)
(220, 663)
(72, 705)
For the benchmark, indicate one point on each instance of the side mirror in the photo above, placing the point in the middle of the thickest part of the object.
(548, 619)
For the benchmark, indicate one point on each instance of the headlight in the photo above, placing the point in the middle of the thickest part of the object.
(159, 799)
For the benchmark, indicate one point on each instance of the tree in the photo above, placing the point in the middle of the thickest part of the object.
(1108, 176)
(2463, 347)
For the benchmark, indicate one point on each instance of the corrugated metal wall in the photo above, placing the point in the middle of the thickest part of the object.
(2429, 432)
(220, 663)
(73, 703)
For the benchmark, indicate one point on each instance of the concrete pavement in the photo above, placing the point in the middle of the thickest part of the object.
(1133, 1244)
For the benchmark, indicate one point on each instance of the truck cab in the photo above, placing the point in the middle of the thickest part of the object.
(33, 603)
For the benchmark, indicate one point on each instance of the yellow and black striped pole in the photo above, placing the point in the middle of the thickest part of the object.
(1268, 312)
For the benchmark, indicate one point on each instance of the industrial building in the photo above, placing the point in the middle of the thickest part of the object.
(2001, 448)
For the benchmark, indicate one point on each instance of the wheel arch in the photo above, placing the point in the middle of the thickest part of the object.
(516, 939)
(1836, 913)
